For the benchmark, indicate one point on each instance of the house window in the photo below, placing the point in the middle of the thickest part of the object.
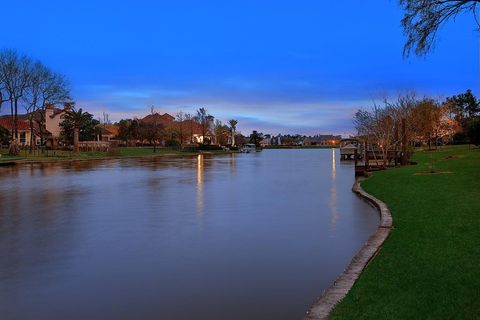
(23, 137)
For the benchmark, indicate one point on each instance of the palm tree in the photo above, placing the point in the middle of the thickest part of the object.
(77, 118)
(233, 126)
(255, 138)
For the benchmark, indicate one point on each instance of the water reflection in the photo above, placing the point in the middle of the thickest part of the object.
(136, 233)
(334, 165)
(233, 164)
(334, 214)
(200, 198)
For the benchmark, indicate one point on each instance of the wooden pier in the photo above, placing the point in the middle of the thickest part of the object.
(348, 148)
(373, 160)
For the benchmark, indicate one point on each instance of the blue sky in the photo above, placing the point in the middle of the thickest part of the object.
(277, 66)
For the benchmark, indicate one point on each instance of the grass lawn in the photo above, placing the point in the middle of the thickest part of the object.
(6, 157)
(429, 268)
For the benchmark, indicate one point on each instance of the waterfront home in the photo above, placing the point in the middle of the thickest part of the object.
(23, 128)
(108, 132)
(46, 122)
(53, 117)
(165, 119)
(193, 132)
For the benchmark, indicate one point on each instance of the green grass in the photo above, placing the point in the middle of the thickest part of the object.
(6, 157)
(429, 268)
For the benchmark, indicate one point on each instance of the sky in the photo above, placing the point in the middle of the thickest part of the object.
(301, 66)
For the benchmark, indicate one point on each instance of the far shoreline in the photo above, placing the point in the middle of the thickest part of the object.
(96, 156)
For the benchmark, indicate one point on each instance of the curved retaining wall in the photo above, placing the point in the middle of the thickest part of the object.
(339, 289)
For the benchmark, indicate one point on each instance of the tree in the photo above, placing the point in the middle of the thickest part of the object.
(473, 131)
(151, 132)
(204, 119)
(45, 87)
(423, 18)
(233, 127)
(180, 119)
(4, 136)
(464, 106)
(78, 125)
(380, 127)
(15, 76)
(240, 139)
(222, 132)
(189, 118)
(127, 130)
(256, 137)
(3, 89)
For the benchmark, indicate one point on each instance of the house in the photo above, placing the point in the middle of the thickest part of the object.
(23, 128)
(46, 123)
(195, 131)
(107, 132)
(192, 131)
(165, 119)
(266, 141)
(53, 118)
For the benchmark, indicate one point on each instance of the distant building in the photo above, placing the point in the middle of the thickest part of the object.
(266, 141)
(322, 140)
(276, 141)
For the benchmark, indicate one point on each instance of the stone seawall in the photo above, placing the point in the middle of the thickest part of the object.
(339, 289)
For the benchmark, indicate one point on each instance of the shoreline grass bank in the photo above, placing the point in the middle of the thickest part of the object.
(429, 266)
(121, 153)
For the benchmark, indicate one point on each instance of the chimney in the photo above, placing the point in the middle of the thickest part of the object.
(67, 106)
(49, 108)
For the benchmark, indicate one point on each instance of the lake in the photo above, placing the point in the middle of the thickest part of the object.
(241, 236)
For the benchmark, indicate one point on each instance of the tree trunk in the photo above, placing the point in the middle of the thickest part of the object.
(15, 118)
(31, 135)
(14, 148)
(75, 139)
(404, 143)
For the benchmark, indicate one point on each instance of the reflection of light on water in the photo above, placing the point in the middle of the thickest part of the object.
(233, 164)
(200, 203)
(334, 168)
(333, 194)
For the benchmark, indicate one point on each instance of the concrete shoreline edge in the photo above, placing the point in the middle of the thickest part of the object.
(342, 285)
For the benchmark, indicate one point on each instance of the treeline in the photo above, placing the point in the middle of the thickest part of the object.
(409, 122)
(185, 129)
(27, 83)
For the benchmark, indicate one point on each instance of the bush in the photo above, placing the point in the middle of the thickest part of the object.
(172, 143)
(473, 131)
(459, 138)
(209, 147)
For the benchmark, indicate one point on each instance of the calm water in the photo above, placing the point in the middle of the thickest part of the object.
(246, 236)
